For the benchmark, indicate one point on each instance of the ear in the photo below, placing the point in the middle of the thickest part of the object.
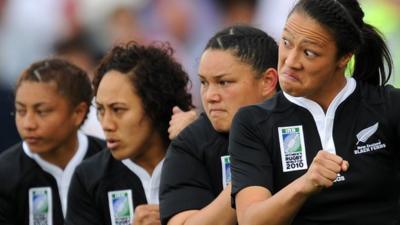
(79, 113)
(269, 82)
(344, 60)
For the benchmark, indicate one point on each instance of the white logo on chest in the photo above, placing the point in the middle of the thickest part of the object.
(363, 136)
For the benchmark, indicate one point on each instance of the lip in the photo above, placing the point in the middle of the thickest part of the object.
(288, 75)
(216, 111)
(32, 140)
(113, 144)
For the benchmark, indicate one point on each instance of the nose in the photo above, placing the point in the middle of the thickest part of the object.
(107, 122)
(212, 94)
(292, 59)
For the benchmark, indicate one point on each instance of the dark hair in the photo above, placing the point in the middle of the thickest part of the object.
(157, 78)
(344, 18)
(251, 45)
(72, 82)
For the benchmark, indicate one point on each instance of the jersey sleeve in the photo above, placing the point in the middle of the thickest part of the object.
(251, 163)
(7, 213)
(393, 112)
(185, 182)
(81, 209)
(8, 192)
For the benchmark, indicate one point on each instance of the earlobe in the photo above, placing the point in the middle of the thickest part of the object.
(80, 112)
(345, 60)
(270, 80)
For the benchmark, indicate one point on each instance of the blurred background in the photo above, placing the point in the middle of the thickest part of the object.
(83, 30)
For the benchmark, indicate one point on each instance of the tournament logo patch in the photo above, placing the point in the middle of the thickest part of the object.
(121, 207)
(293, 151)
(226, 170)
(40, 206)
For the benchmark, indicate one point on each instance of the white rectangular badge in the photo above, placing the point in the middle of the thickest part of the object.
(293, 151)
(40, 206)
(226, 170)
(121, 207)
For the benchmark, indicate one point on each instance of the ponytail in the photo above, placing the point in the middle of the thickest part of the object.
(372, 58)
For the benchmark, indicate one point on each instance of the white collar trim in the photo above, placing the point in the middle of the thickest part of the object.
(63, 178)
(151, 184)
(324, 122)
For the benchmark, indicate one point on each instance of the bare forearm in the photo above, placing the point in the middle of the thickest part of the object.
(218, 211)
(279, 209)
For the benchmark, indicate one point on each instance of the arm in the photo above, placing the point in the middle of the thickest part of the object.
(218, 211)
(179, 121)
(253, 170)
(185, 186)
(8, 193)
(256, 205)
(6, 214)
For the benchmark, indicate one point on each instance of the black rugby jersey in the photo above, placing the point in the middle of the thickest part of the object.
(21, 176)
(273, 143)
(103, 190)
(192, 174)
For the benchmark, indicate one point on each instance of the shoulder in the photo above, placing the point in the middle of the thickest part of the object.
(95, 145)
(201, 126)
(199, 133)
(12, 158)
(275, 106)
(93, 169)
(378, 94)
(15, 161)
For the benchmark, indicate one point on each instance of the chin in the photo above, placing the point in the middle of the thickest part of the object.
(118, 155)
(222, 128)
(39, 149)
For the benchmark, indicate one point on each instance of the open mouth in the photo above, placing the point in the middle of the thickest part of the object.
(112, 144)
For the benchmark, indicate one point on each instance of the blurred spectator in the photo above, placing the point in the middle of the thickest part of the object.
(8, 131)
(28, 31)
(237, 11)
(271, 16)
(186, 24)
(123, 26)
(110, 22)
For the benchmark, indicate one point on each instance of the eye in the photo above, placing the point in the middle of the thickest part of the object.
(20, 112)
(224, 83)
(203, 82)
(285, 42)
(118, 110)
(310, 54)
(43, 112)
(99, 111)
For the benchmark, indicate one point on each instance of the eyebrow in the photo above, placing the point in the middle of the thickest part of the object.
(111, 104)
(36, 105)
(217, 77)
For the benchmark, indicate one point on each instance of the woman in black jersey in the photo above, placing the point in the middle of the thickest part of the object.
(52, 101)
(325, 150)
(136, 87)
(237, 68)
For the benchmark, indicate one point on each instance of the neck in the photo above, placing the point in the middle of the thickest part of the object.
(61, 155)
(152, 154)
(325, 95)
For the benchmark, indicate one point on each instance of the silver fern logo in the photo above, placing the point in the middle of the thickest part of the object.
(366, 133)
(363, 136)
